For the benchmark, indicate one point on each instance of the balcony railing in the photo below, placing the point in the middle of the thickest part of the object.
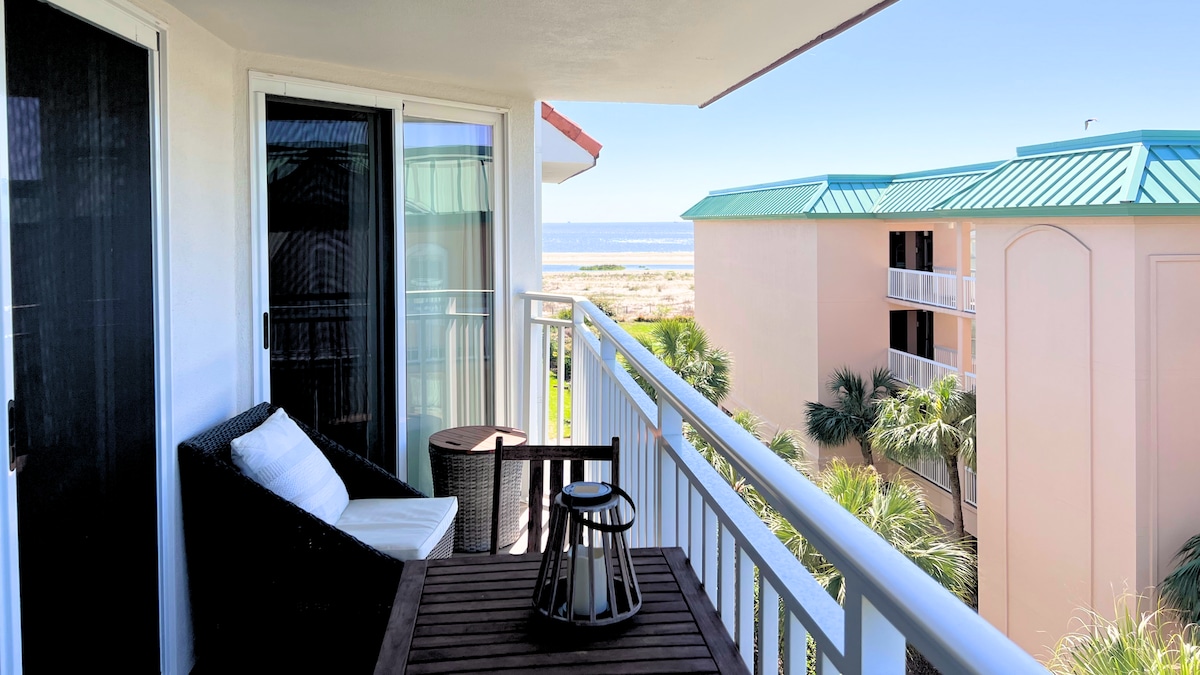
(682, 501)
(916, 370)
(968, 294)
(945, 355)
(936, 472)
(969, 381)
(928, 288)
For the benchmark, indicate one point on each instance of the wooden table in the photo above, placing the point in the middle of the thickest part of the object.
(475, 614)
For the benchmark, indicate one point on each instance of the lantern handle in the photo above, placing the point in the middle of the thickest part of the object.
(612, 528)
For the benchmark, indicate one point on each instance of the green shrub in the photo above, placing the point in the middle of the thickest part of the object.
(1134, 642)
(602, 268)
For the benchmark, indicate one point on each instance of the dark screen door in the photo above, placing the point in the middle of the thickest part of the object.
(83, 345)
(332, 319)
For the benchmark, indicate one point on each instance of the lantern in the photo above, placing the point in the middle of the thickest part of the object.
(586, 577)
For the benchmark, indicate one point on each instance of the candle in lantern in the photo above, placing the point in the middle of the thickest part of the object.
(595, 573)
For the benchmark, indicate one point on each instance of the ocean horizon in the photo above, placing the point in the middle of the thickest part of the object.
(647, 237)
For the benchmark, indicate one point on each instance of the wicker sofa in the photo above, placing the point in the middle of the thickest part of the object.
(274, 588)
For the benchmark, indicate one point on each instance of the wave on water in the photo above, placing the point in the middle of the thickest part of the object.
(617, 237)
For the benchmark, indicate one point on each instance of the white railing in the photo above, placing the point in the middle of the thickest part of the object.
(935, 472)
(969, 381)
(927, 288)
(682, 501)
(916, 370)
(968, 294)
(946, 355)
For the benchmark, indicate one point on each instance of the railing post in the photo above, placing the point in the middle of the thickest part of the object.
(873, 645)
(577, 330)
(670, 429)
(608, 393)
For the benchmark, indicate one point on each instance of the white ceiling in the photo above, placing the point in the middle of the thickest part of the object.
(653, 51)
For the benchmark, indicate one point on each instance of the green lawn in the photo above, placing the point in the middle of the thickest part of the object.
(552, 430)
(638, 329)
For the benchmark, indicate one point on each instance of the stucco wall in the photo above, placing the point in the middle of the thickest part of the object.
(793, 300)
(756, 297)
(1087, 478)
(852, 315)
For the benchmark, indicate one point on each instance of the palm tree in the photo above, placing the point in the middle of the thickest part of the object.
(783, 443)
(855, 411)
(895, 511)
(936, 423)
(1181, 589)
(684, 347)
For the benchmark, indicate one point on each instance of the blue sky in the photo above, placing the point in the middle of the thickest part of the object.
(924, 84)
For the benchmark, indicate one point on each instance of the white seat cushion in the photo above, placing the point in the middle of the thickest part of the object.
(407, 529)
(283, 459)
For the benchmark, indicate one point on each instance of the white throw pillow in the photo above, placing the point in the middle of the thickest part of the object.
(282, 458)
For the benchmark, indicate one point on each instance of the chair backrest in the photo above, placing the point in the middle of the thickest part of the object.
(557, 456)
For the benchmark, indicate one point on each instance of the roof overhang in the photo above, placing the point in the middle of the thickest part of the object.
(666, 51)
(567, 150)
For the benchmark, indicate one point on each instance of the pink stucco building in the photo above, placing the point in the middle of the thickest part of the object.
(1083, 259)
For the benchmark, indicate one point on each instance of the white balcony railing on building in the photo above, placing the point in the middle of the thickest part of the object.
(682, 501)
(968, 294)
(936, 472)
(945, 355)
(969, 381)
(928, 288)
(916, 370)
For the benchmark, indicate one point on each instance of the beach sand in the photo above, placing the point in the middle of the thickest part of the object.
(628, 259)
(632, 293)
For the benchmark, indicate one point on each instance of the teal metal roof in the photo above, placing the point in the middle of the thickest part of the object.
(773, 202)
(917, 195)
(848, 197)
(1080, 178)
(1138, 172)
(1172, 175)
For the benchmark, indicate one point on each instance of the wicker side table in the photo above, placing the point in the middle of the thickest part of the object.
(463, 461)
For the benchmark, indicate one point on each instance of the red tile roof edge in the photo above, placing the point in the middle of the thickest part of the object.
(571, 130)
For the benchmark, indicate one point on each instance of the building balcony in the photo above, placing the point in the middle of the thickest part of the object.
(682, 501)
(938, 289)
(919, 371)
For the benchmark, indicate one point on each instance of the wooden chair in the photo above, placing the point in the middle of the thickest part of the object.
(557, 455)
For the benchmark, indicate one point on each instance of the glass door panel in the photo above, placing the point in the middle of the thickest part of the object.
(332, 304)
(449, 244)
(82, 227)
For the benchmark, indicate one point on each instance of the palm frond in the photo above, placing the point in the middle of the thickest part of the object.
(1181, 588)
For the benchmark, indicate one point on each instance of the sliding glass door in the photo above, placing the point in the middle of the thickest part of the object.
(379, 320)
(449, 259)
(331, 323)
(81, 219)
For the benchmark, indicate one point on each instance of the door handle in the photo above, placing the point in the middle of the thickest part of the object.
(15, 462)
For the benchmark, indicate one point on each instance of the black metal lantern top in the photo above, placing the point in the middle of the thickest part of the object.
(587, 577)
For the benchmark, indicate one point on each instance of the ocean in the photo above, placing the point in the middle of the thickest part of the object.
(617, 238)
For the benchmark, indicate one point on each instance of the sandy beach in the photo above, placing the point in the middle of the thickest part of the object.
(632, 293)
(628, 259)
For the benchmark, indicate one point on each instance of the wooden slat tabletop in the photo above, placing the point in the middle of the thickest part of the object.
(473, 615)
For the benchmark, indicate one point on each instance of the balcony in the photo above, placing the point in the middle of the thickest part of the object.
(936, 472)
(919, 371)
(682, 501)
(939, 289)
(969, 294)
